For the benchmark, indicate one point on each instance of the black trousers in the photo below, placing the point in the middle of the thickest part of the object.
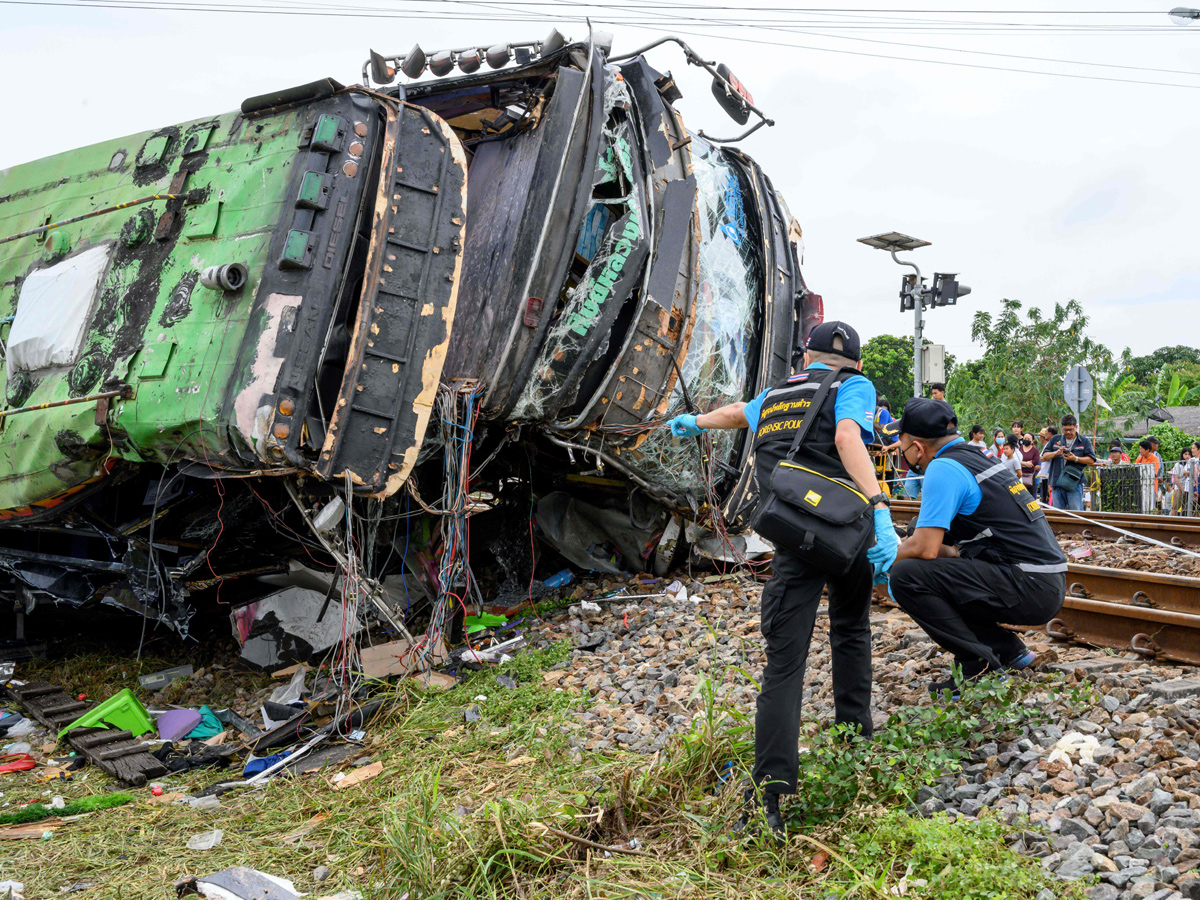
(789, 611)
(960, 603)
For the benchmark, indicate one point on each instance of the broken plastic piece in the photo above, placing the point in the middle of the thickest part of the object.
(206, 840)
(175, 723)
(240, 883)
(156, 681)
(332, 513)
(560, 579)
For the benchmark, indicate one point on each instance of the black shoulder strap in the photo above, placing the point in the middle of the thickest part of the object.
(817, 402)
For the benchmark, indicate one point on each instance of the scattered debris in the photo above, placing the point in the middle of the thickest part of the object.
(175, 723)
(357, 776)
(39, 830)
(394, 658)
(206, 840)
(35, 812)
(156, 681)
(113, 749)
(239, 883)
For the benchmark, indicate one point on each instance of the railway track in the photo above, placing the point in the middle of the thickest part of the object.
(1157, 616)
(1175, 530)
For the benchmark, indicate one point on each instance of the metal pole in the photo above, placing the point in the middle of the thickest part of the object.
(918, 326)
(918, 346)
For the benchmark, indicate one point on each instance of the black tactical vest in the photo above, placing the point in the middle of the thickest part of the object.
(782, 413)
(1009, 526)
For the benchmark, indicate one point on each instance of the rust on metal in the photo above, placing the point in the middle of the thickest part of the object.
(103, 398)
(1149, 590)
(1155, 633)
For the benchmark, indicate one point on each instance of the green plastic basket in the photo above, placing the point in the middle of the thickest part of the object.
(122, 711)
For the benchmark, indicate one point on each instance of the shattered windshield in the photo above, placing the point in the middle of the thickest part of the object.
(609, 259)
(719, 367)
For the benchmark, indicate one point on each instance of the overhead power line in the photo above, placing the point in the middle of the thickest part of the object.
(470, 10)
(602, 11)
(962, 50)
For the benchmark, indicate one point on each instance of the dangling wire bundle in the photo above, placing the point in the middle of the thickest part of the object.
(458, 411)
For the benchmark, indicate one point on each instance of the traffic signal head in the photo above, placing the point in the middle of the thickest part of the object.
(947, 290)
(909, 290)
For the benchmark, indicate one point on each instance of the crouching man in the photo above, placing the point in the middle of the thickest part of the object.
(982, 552)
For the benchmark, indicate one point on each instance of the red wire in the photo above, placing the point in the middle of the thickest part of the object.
(532, 560)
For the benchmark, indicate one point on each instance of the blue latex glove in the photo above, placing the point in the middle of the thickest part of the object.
(885, 580)
(685, 426)
(883, 554)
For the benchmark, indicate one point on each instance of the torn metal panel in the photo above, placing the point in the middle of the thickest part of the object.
(527, 198)
(638, 383)
(289, 626)
(613, 251)
(403, 325)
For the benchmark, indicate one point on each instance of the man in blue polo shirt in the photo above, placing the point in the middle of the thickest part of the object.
(981, 553)
(835, 446)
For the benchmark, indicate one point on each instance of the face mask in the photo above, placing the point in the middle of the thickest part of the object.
(916, 467)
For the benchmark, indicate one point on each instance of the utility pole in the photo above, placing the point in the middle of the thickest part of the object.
(915, 295)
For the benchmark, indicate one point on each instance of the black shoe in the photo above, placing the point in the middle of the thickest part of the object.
(752, 813)
(938, 688)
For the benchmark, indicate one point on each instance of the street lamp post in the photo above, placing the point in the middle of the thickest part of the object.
(1182, 15)
(914, 295)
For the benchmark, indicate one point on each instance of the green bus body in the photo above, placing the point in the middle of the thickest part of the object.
(270, 375)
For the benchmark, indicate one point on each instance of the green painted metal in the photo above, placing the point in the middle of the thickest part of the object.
(179, 345)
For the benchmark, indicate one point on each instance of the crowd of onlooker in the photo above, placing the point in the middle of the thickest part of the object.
(1059, 464)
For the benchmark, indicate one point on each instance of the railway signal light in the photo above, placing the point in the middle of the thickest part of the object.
(947, 289)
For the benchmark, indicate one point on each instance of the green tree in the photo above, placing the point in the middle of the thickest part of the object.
(1146, 368)
(1019, 375)
(888, 362)
(1172, 440)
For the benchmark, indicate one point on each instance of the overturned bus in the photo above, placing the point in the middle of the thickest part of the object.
(213, 329)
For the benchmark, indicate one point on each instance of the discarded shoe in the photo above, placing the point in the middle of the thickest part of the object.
(754, 811)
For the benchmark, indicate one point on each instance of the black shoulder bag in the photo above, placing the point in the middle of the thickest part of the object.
(825, 521)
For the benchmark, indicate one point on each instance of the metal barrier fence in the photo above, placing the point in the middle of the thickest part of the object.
(1133, 488)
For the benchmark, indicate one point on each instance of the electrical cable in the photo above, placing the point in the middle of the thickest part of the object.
(656, 24)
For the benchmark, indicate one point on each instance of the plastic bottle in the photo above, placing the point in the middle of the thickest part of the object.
(560, 579)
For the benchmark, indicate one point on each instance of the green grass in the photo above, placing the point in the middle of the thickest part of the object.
(964, 859)
(465, 810)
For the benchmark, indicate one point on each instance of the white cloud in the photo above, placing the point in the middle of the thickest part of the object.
(1032, 187)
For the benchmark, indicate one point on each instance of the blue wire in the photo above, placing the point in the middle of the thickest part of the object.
(404, 563)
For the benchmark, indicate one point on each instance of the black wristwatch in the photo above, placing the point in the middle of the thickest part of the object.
(881, 498)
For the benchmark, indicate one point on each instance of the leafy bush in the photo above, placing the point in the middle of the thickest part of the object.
(1172, 440)
(916, 745)
(938, 857)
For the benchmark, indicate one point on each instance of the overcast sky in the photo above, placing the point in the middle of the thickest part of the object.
(1033, 187)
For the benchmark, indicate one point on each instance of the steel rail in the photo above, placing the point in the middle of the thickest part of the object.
(1177, 530)
(1151, 633)
(1131, 587)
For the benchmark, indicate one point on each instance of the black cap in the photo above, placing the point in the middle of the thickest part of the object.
(821, 340)
(927, 418)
